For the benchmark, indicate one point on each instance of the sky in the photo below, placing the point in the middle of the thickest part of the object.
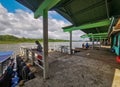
(15, 19)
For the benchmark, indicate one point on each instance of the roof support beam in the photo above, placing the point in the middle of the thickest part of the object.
(107, 10)
(46, 5)
(97, 34)
(100, 37)
(88, 26)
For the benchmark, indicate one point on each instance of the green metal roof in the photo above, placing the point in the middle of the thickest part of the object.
(79, 12)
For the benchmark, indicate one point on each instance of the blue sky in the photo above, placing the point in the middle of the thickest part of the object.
(22, 23)
(12, 5)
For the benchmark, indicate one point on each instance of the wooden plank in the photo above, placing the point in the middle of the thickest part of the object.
(116, 80)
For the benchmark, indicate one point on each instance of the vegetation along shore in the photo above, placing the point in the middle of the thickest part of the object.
(10, 39)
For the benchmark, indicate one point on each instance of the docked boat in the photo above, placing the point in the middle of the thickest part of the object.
(13, 69)
(6, 68)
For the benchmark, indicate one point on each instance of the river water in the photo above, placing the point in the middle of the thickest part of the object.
(52, 45)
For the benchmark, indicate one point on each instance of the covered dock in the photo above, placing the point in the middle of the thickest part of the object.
(94, 17)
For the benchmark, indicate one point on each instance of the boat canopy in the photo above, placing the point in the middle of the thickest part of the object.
(5, 55)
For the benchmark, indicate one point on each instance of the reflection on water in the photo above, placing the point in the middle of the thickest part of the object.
(52, 45)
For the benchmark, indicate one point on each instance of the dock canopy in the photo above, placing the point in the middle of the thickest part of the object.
(79, 12)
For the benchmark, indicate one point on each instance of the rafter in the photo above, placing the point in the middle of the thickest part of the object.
(88, 26)
(46, 5)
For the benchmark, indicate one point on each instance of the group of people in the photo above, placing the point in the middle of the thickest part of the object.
(39, 47)
(85, 46)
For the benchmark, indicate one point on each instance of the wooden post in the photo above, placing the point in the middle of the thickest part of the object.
(70, 42)
(33, 58)
(26, 54)
(92, 42)
(1, 68)
(45, 44)
(100, 42)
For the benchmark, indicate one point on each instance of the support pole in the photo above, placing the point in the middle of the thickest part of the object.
(45, 43)
(70, 42)
(92, 42)
(107, 10)
(100, 42)
(1, 68)
(33, 58)
(26, 54)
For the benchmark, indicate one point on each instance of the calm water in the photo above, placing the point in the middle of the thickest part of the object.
(52, 45)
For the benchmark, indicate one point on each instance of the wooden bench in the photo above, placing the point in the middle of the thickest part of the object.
(76, 50)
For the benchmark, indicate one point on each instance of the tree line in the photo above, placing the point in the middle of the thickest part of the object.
(14, 39)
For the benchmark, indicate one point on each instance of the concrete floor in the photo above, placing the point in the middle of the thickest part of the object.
(88, 68)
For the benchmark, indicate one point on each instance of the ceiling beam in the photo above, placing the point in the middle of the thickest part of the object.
(46, 5)
(107, 9)
(97, 34)
(88, 26)
(100, 37)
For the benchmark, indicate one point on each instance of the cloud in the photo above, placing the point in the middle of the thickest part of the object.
(23, 24)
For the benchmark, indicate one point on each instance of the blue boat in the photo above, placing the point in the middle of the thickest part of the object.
(5, 60)
(6, 68)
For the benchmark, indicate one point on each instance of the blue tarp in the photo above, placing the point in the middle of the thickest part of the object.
(5, 55)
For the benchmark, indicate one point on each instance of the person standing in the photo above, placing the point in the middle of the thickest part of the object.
(39, 47)
(87, 45)
(83, 45)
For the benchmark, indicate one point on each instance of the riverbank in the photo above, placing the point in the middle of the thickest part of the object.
(10, 39)
(88, 68)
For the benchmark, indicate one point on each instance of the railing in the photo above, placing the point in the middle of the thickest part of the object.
(31, 54)
(64, 49)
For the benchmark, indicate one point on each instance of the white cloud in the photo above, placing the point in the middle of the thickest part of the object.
(23, 24)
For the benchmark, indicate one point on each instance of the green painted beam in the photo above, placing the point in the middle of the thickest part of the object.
(94, 36)
(88, 26)
(84, 36)
(97, 34)
(46, 5)
(100, 38)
